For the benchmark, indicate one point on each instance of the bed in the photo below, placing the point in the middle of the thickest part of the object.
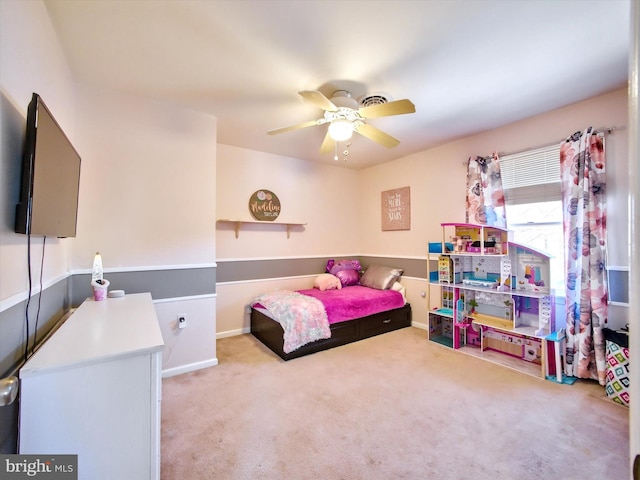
(350, 313)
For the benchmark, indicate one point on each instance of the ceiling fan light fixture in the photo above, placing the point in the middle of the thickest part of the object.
(341, 129)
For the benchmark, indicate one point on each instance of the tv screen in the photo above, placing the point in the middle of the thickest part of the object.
(50, 177)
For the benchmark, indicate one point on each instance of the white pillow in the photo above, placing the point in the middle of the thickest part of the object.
(398, 287)
(326, 281)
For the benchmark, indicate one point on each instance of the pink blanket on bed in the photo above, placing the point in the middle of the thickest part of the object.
(302, 317)
(355, 301)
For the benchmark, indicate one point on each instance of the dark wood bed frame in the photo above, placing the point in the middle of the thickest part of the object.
(270, 332)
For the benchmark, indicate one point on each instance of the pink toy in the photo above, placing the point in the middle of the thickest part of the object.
(326, 281)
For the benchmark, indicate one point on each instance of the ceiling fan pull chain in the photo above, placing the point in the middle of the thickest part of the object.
(346, 151)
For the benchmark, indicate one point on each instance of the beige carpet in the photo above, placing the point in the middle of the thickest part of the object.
(394, 406)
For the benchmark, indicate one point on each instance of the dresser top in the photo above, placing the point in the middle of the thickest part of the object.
(100, 331)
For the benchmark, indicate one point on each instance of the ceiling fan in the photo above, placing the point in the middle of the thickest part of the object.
(345, 115)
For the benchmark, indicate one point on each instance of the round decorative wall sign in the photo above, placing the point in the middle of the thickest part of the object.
(264, 205)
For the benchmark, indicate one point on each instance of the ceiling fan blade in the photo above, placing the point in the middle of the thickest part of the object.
(398, 107)
(328, 144)
(378, 136)
(319, 100)
(294, 127)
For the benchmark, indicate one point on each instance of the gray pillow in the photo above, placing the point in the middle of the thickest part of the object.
(380, 277)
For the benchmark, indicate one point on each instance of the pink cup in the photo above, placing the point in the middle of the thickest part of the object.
(99, 294)
(100, 290)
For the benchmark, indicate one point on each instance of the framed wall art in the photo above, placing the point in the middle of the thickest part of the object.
(396, 209)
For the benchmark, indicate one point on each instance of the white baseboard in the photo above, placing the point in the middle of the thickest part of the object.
(191, 367)
(232, 333)
(421, 326)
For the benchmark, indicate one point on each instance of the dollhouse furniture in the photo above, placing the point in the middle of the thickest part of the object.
(496, 302)
(554, 346)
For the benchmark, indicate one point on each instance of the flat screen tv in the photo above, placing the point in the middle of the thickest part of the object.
(50, 177)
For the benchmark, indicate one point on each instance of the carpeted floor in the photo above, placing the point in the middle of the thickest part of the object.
(395, 406)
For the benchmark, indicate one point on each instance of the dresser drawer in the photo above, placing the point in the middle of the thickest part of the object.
(386, 321)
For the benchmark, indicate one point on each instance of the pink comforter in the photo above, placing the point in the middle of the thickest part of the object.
(355, 301)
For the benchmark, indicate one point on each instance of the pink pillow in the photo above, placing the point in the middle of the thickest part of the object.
(348, 271)
(326, 281)
(348, 277)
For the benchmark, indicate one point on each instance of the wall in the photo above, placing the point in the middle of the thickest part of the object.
(148, 206)
(325, 198)
(31, 61)
(147, 199)
(436, 178)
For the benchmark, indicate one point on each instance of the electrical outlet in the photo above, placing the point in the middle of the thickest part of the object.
(182, 320)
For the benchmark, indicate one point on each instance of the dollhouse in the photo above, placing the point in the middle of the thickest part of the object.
(491, 297)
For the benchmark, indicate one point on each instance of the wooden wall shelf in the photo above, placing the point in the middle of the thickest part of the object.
(238, 224)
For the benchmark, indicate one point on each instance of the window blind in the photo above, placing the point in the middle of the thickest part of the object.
(531, 176)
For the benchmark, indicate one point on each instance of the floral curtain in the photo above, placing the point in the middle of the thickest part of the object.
(582, 173)
(485, 197)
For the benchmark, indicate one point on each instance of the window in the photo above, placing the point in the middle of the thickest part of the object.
(533, 201)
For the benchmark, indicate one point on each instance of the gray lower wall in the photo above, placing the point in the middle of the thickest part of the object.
(243, 270)
(246, 270)
(52, 305)
(69, 293)
(170, 283)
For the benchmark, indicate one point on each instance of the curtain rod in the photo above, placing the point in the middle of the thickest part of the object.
(603, 131)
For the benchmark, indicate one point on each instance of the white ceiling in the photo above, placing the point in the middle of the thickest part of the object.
(468, 66)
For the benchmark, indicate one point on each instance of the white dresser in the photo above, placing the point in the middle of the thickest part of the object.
(94, 389)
